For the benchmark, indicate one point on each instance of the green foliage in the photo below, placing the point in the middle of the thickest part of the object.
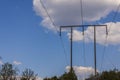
(111, 75)
(69, 76)
(52, 78)
(108, 75)
(8, 72)
(65, 76)
(28, 74)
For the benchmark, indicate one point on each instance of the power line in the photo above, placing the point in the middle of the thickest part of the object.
(83, 30)
(81, 10)
(82, 19)
(104, 50)
(82, 22)
(103, 55)
(46, 10)
(65, 53)
(114, 17)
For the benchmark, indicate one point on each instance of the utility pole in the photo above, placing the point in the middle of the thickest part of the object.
(95, 51)
(71, 46)
(95, 57)
(71, 50)
(71, 40)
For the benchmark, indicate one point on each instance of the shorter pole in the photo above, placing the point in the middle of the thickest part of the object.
(95, 50)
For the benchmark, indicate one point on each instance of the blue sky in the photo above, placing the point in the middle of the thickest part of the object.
(24, 39)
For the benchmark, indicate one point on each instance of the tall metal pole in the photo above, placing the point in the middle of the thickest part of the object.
(71, 39)
(95, 50)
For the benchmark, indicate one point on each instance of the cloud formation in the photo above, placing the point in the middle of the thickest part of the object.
(65, 12)
(17, 63)
(82, 72)
(113, 38)
(39, 78)
(1, 62)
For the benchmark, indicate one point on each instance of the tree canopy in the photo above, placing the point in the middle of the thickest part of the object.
(28, 74)
(65, 76)
(107, 75)
(8, 72)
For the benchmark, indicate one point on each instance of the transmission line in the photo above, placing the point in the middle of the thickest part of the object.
(82, 22)
(83, 31)
(114, 17)
(46, 10)
(104, 50)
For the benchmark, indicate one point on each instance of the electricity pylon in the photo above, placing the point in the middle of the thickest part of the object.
(71, 43)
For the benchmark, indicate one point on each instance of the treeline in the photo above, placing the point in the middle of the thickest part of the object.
(65, 76)
(9, 72)
(107, 75)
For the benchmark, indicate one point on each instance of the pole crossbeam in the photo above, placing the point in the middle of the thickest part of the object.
(80, 26)
(71, 42)
(69, 26)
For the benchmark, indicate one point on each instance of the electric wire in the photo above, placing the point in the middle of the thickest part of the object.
(46, 10)
(81, 10)
(82, 22)
(103, 53)
(82, 19)
(104, 50)
(114, 17)
(65, 53)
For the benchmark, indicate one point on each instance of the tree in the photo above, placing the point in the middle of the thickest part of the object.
(107, 75)
(28, 74)
(69, 76)
(52, 78)
(110, 75)
(8, 72)
(66, 76)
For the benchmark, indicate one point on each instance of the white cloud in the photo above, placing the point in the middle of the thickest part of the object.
(1, 62)
(66, 12)
(77, 35)
(17, 63)
(113, 37)
(39, 78)
(82, 72)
